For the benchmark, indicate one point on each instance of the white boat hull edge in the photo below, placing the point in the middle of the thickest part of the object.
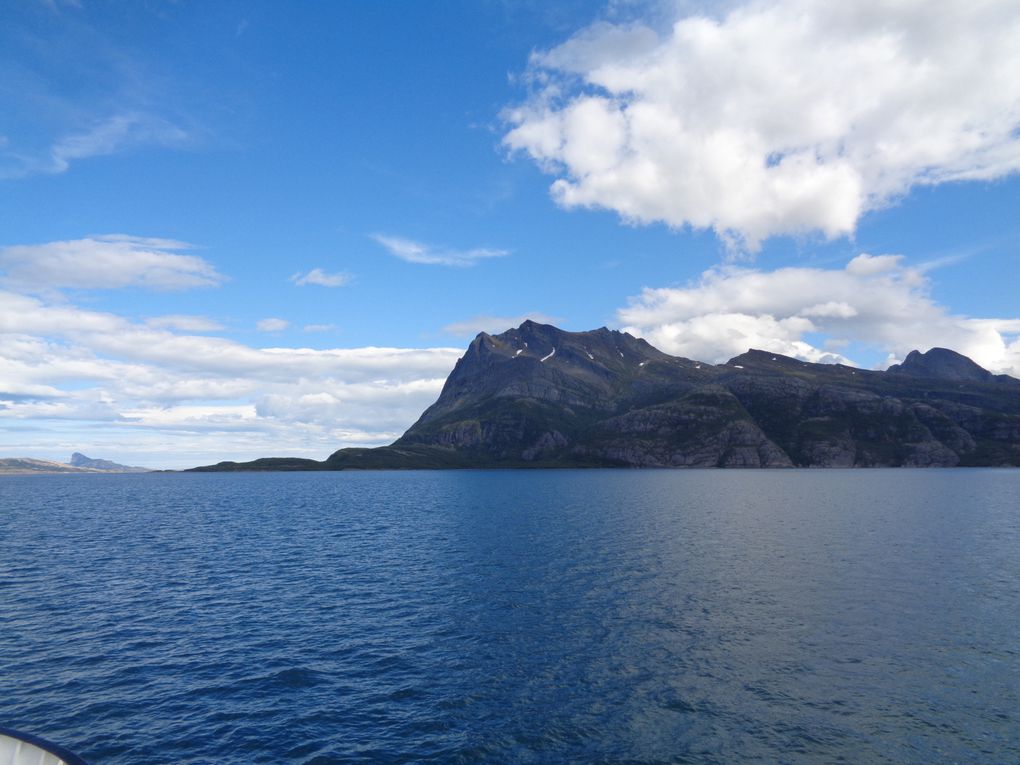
(20, 751)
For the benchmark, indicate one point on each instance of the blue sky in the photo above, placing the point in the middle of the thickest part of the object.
(237, 229)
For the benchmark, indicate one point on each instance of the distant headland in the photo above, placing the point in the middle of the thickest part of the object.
(79, 463)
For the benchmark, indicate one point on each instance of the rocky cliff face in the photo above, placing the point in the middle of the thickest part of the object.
(539, 396)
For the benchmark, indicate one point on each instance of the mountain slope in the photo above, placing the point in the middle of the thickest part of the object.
(538, 396)
(29, 466)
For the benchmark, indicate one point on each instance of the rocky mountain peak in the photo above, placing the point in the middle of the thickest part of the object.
(942, 364)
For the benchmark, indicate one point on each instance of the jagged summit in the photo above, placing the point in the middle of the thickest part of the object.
(543, 363)
(534, 340)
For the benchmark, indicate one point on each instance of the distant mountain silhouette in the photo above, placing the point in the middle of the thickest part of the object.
(79, 460)
(538, 396)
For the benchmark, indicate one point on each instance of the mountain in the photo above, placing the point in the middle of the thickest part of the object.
(537, 396)
(79, 460)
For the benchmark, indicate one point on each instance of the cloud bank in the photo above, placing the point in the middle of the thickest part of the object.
(876, 302)
(156, 392)
(106, 262)
(134, 389)
(780, 117)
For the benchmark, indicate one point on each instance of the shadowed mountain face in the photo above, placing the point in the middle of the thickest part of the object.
(539, 396)
(943, 364)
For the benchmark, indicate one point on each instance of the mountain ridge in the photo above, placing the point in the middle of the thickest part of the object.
(538, 396)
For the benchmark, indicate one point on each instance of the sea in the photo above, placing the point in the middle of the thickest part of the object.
(538, 616)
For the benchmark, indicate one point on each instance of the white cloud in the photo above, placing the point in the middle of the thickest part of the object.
(321, 278)
(110, 135)
(79, 378)
(416, 252)
(876, 302)
(869, 265)
(319, 327)
(779, 117)
(366, 406)
(114, 134)
(494, 324)
(832, 309)
(111, 261)
(69, 344)
(272, 325)
(82, 409)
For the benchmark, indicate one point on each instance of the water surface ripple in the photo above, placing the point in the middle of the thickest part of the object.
(515, 617)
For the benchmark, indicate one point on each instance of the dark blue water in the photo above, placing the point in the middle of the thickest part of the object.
(515, 617)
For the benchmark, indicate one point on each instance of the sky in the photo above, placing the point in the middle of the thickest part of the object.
(241, 229)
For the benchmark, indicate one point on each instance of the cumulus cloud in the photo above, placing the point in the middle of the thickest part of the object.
(272, 325)
(88, 377)
(416, 252)
(875, 302)
(778, 117)
(494, 324)
(111, 261)
(321, 278)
